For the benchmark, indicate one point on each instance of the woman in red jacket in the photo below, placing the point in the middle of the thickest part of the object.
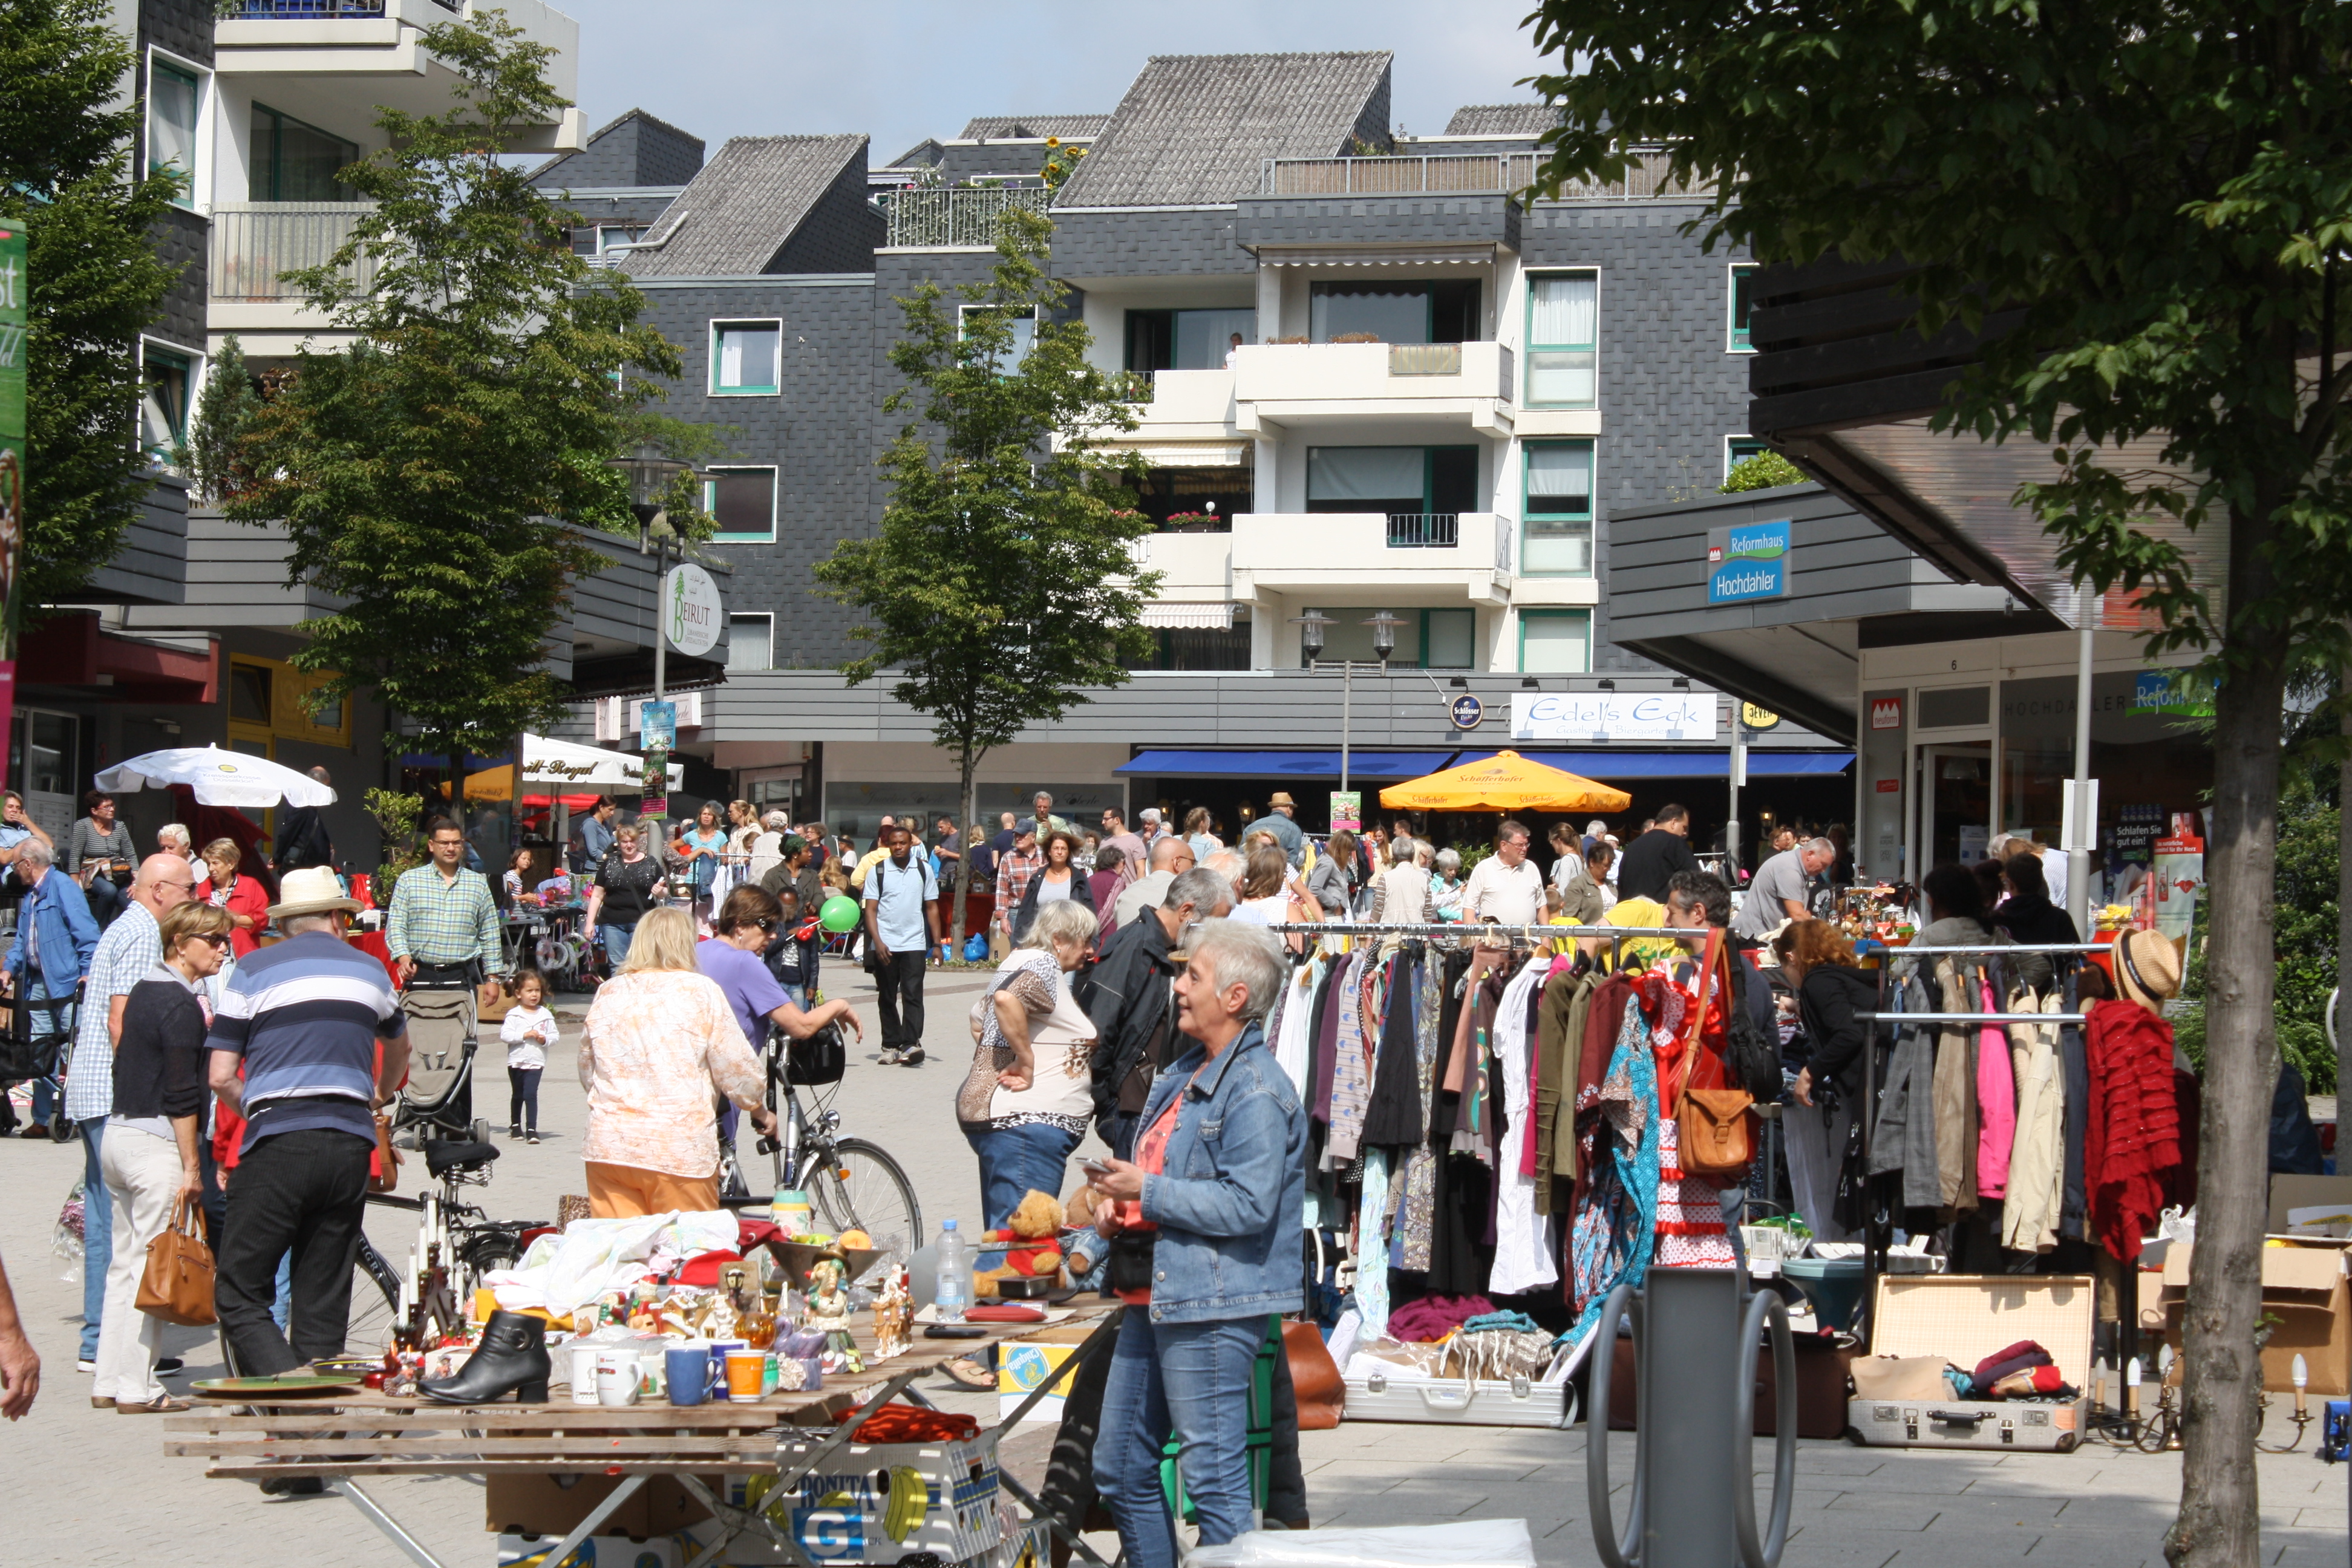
(245, 899)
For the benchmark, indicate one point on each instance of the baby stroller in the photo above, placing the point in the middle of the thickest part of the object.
(23, 1059)
(438, 1101)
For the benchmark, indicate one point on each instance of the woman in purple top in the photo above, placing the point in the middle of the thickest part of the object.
(746, 924)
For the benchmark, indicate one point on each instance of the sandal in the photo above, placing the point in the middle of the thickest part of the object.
(161, 1405)
(966, 1373)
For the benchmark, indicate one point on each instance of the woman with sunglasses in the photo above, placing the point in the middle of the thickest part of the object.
(746, 924)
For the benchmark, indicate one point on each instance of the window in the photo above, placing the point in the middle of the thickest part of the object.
(1555, 642)
(1563, 341)
(1743, 277)
(743, 358)
(1442, 311)
(297, 162)
(1737, 449)
(1558, 540)
(1392, 479)
(174, 99)
(606, 239)
(750, 642)
(1347, 637)
(1024, 333)
(743, 503)
(1449, 639)
(1185, 339)
(169, 385)
(270, 700)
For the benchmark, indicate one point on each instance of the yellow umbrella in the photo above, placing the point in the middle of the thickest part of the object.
(1505, 781)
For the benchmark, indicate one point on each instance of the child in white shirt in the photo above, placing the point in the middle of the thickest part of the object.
(528, 1032)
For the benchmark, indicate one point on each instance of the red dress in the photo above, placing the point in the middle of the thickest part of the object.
(246, 897)
(2132, 1139)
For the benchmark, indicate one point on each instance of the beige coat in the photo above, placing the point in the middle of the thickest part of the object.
(2037, 1161)
(1954, 1095)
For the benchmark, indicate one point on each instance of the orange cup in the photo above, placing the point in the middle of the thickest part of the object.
(744, 1371)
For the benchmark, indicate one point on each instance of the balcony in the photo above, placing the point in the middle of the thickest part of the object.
(1481, 173)
(254, 243)
(1423, 559)
(1290, 381)
(956, 217)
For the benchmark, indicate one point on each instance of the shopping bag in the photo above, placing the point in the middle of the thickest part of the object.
(177, 1285)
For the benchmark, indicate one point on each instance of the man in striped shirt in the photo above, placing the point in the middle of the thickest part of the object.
(320, 1033)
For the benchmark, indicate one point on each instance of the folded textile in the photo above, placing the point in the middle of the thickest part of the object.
(1434, 1317)
(1962, 1385)
(2023, 1356)
(906, 1423)
(2025, 1384)
(1516, 1322)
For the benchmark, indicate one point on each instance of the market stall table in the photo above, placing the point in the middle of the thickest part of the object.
(370, 1433)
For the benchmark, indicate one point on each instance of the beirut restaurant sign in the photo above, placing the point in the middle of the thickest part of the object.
(1613, 715)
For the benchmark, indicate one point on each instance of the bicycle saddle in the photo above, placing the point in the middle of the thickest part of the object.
(443, 1156)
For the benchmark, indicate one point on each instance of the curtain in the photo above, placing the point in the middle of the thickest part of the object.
(1381, 474)
(1566, 312)
(1562, 474)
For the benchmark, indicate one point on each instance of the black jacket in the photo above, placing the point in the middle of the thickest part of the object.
(1024, 914)
(302, 839)
(2033, 921)
(1651, 862)
(1128, 997)
(1827, 1000)
(158, 1068)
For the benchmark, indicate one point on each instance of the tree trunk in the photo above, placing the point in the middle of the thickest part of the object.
(2343, 911)
(2219, 1524)
(967, 764)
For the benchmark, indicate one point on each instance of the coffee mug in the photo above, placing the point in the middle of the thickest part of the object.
(745, 1368)
(583, 1374)
(618, 1378)
(688, 1370)
(719, 1349)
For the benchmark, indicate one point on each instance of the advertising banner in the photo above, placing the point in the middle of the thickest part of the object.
(1749, 562)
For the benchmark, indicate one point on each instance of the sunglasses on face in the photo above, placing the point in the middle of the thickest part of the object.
(215, 939)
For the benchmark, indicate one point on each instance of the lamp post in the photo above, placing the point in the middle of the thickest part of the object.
(650, 472)
(1311, 626)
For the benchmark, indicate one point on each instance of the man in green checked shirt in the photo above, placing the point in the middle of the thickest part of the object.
(444, 937)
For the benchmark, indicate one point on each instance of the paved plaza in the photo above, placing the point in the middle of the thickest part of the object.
(80, 1486)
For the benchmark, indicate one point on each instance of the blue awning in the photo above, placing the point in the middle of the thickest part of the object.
(1610, 767)
(1311, 764)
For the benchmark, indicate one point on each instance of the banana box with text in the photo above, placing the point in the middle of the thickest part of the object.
(878, 1503)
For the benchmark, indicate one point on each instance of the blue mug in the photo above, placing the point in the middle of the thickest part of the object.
(689, 1374)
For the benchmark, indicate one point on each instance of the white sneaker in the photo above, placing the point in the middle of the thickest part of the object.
(85, 1364)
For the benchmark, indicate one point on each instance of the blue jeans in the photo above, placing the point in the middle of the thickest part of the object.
(1012, 1160)
(798, 995)
(1192, 1379)
(616, 941)
(97, 1236)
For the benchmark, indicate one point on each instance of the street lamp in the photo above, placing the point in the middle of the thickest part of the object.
(1311, 633)
(1384, 624)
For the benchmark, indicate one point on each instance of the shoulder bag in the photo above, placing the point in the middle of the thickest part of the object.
(1714, 1123)
(821, 1058)
(177, 1285)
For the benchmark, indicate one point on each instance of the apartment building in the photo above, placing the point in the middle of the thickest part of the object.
(1369, 378)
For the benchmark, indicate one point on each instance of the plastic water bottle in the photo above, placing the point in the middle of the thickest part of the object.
(954, 1289)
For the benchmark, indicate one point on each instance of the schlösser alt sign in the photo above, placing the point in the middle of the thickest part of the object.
(1749, 562)
(1613, 715)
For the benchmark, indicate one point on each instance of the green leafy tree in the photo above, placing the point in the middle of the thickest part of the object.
(1001, 582)
(421, 474)
(2164, 199)
(66, 140)
(1762, 472)
(224, 415)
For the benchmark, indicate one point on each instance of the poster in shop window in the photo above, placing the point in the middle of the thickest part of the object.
(1347, 810)
(2178, 876)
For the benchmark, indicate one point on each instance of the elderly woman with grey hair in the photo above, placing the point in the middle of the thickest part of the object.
(1447, 887)
(1205, 1228)
(1030, 1094)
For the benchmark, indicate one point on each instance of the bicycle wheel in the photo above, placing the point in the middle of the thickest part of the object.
(859, 1186)
(375, 1303)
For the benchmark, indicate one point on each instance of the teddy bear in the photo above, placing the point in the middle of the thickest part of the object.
(1031, 1244)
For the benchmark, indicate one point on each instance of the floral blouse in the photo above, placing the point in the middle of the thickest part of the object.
(654, 1044)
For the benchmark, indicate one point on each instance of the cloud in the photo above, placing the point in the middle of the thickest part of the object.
(901, 70)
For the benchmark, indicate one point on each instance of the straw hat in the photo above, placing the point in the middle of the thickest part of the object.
(2147, 968)
(312, 890)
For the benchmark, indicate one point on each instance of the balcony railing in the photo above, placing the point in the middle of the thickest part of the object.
(254, 243)
(1425, 359)
(1424, 530)
(1504, 173)
(303, 10)
(956, 215)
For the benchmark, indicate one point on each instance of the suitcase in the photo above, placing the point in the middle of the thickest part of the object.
(1461, 1402)
(1964, 1317)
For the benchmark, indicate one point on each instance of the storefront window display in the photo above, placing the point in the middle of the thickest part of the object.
(2144, 752)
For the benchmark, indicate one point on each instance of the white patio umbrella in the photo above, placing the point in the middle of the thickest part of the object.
(218, 777)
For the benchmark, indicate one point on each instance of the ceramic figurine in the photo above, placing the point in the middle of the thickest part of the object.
(893, 1316)
(828, 1314)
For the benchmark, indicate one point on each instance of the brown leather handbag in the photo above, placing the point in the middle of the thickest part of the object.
(1314, 1377)
(383, 1171)
(1714, 1121)
(177, 1285)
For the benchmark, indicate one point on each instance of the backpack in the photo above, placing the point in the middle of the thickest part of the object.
(1751, 1059)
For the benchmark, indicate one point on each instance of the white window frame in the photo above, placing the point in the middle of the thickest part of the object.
(1528, 518)
(1549, 613)
(1528, 348)
(1731, 443)
(775, 500)
(199, 366)
(199, 195)
(718, 323)
(767, 615)
(1733, 272)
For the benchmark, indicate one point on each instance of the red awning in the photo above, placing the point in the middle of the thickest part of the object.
(71, 650)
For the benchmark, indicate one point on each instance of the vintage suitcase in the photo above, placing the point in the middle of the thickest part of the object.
(1462, 1402)
(1964, 1317)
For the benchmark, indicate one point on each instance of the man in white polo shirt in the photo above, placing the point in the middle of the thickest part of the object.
(1506, 887)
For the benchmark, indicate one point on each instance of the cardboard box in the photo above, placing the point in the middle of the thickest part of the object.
(845, 1513)
(2302, 1192)
(2306, 1287)
(526, 1503)
(1020, 1368)
(596, 1551)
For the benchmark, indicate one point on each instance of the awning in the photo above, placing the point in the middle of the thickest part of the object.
(1183, 454)
(1374, 255)
(1218, 616)
(1761, 764)
(1316, 764)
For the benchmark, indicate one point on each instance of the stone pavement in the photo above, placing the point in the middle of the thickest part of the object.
(80, 1486)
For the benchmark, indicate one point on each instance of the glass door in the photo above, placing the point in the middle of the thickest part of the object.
(1955, 802)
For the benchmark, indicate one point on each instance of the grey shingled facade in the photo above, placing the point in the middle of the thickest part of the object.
(635, 150)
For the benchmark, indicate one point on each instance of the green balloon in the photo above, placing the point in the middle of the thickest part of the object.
(838, 913)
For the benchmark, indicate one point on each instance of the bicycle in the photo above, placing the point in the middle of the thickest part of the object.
(477, 1244)
(854, 1184)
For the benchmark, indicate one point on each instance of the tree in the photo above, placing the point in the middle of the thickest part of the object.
(422, 473)
(66, 139)
(1762, 472)
(225, 414)
(2163, 198)
(1001, 582)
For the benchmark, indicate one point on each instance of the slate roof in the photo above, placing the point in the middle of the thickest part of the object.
(1504, 120)
(744, 206)
(647, 150)
(1197, 129)
(1069, 127)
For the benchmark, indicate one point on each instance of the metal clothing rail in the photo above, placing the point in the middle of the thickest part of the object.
(1472, 928)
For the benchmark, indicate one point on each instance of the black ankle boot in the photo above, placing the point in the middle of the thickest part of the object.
(512, 1359)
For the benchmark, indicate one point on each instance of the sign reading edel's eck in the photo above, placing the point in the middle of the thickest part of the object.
(1613, 715)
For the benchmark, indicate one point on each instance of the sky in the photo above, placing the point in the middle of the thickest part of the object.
(903, 69)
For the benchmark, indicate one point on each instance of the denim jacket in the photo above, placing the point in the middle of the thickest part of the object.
(1231, 1203)
(59, 910)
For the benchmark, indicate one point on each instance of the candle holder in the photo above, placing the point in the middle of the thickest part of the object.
(2301, 1377)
